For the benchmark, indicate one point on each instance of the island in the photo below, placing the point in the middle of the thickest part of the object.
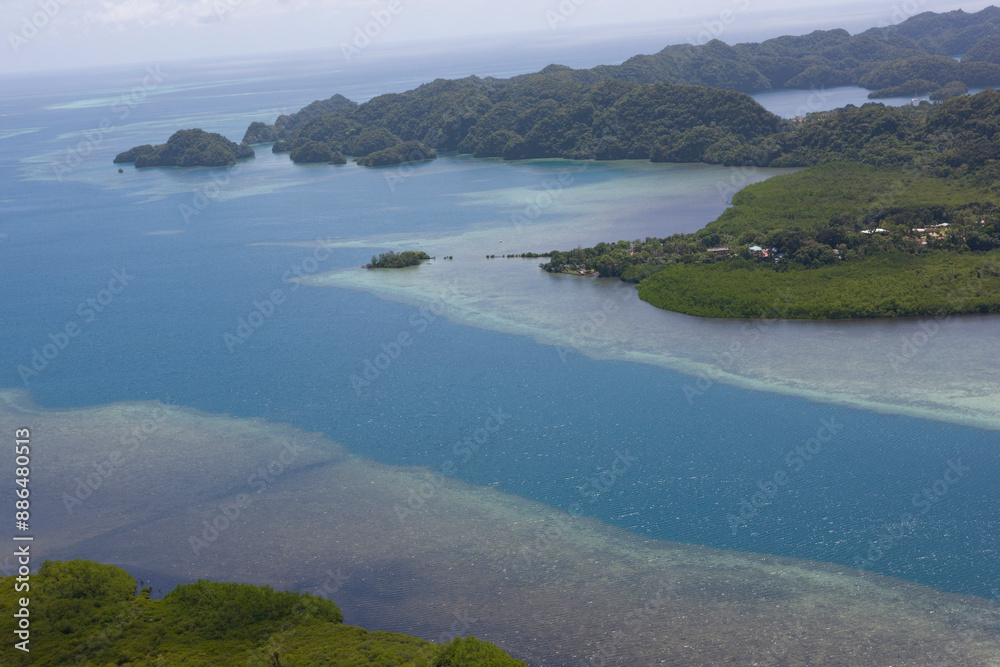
(393, 260)
(82, 612)
(894, 214)
(898, 214)
(685, 103)
(188, 148)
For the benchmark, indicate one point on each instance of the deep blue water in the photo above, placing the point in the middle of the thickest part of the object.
(645, 458)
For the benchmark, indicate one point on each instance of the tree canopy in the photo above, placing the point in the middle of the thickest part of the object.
(87, 613)
(188, 148)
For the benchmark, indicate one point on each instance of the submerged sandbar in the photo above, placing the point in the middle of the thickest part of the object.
(198, 495)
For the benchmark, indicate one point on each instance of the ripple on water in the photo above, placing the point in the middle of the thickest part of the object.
(550, 587)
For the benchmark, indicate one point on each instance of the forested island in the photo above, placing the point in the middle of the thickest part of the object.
(188, 148)
(82, 612)
(686, 103)
(895, 215)
(394, 260)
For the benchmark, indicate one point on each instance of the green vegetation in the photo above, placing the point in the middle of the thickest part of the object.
(911, 88)
(876, 58)
(393, 260)
(87, 613)
(986, 50)
(401, 153)
(889, 285)
(316, 151)
(188, 148)
(259, 133)
(548, 114)
(949, 90)
(683, 104)
(832, 241)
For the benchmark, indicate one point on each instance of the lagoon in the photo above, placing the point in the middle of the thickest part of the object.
(561, 411)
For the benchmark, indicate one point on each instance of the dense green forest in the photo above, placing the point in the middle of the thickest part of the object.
(831, 241)
(394, 260)
(887, 285)
(85, 613)
(679, 105)
(683, 104)
(188, 148)
(876, 58)
(545, 115)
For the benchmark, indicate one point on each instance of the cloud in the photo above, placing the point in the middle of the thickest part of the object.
(126, 14)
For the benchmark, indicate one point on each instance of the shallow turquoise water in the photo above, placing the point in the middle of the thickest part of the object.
(628, 441)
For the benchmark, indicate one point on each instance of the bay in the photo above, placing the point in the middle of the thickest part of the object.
(565, 391)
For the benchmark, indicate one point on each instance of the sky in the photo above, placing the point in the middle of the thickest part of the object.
(65, 34)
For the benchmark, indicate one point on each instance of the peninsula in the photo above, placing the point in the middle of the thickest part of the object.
(895, 214)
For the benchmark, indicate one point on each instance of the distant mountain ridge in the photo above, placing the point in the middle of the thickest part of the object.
(821, 58)
(684, 104)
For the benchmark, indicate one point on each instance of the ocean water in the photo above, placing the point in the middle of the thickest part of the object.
(237, 292)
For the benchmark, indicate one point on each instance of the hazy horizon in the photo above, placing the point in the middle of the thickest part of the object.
(46, 35)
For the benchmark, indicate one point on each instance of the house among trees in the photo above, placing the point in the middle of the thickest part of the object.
(719, 252)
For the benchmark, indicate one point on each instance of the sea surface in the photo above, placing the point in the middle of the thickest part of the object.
(237, 292)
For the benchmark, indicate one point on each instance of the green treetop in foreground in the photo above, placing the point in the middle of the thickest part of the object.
(83, 612)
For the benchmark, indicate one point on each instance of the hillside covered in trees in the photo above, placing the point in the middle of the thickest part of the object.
(921, 47)
(85, 613)
(684, 104)
(678, 105)
(544, 115)
(188, 148)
